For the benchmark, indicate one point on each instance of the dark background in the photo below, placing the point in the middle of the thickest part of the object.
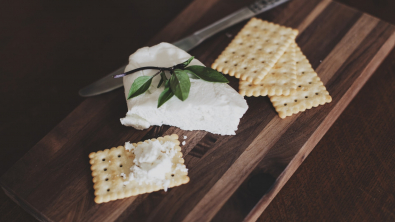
(51, 49)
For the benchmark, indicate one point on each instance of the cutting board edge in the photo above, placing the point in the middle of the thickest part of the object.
(9, 192)
(23, 204)
(325, 126)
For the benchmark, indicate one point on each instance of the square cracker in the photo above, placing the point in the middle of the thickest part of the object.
(310, 91)
(111, 168)
(281, 79)
(255, 50)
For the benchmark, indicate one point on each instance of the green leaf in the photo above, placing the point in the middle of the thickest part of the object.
(139, 86)
(163, 75)
(165, 95)
(167, 84)
(207, 74)
(186, 63)
(180, 84)
(163, 78)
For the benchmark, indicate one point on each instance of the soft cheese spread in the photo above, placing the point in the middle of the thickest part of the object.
(152, 162)
(213, 107)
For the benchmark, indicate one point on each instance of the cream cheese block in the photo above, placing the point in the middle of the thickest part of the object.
(213, 107)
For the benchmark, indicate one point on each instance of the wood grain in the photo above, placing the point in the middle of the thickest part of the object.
(349, 55)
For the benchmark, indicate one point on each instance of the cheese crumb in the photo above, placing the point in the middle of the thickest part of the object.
(129, 146)
(185, 137)
(181, 167)
(183, 143)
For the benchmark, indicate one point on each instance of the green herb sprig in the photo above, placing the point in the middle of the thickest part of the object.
(178, 84)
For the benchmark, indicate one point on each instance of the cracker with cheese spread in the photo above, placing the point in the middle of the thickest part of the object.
(137, 168)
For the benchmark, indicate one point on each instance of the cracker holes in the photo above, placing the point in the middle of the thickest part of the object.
(255, 71)
(299, 86)
(306, 97)
(243, 55)
(252, 58)
(119, 156)
(302, 72)
(108, 190)
(245, 68)
(106, 179)
(120, 165)
(309, 82)
(233, 52)
(235, 64)
(172, 175)
(250, 85)
(295, 100)
(105, 169)
(270, 52)
(316, 94)
(263, 62)
(285, 104)
(240, 43)
(261, 84)
(226, 62)
(103, 159)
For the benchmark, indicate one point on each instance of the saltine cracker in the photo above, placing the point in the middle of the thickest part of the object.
(255, 50)
(310, 91)
(111, 168)
(281, 79)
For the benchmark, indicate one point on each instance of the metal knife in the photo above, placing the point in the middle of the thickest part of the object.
(108, 83)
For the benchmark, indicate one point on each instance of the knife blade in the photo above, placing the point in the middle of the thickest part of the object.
(108, 83)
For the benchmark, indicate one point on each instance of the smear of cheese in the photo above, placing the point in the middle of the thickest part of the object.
(213, 107)
(153, 160)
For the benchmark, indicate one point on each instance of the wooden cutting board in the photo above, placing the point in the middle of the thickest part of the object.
(232, 177)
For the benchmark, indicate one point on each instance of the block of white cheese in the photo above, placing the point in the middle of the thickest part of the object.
(213, 107)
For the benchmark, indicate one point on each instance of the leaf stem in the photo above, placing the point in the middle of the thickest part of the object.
(170, 69)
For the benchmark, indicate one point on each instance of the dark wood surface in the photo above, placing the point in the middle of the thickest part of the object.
(346, 177)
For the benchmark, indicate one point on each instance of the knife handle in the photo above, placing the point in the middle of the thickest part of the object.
(260, 6)
(255, 8)
(224, 23)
